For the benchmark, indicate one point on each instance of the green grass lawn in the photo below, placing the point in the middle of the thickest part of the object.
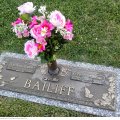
(97, 41)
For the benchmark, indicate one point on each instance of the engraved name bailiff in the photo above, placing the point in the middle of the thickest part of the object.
(49, 87)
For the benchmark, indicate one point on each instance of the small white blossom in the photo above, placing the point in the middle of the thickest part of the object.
(42, 10)
(63, 31)
(20, 27)
(66, 34)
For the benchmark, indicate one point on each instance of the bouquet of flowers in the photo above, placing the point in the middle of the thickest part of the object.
(46, 33)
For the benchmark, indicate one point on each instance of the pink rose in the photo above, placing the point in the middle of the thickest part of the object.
(68, 36)
(35, 31)
(26, 8)
(31, 49)
(69, 25)
(57, 19)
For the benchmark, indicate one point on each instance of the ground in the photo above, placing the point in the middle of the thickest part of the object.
(96, 41)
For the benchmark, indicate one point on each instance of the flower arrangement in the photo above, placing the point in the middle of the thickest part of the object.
(47, 32)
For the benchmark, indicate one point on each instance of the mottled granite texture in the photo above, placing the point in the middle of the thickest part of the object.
(76, 107)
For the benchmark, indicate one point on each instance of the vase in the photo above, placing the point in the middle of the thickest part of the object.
(53, 68)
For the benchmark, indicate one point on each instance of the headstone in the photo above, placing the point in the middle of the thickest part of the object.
(75, 84)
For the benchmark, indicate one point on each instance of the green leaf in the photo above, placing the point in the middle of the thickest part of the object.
(54, 57)
(43, 60)
(42, 56)
(25, 17)
(56, 47)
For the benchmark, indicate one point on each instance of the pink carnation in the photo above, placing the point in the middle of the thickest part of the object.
(69, 25)
(33, 22)
(31, 49)
(26, 33)
(18, 21)
(68, 36)
(19, 34)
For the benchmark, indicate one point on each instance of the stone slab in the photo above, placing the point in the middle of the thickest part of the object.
(20, 65)
(80, 88)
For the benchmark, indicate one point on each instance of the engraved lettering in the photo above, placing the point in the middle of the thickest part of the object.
(44, 87)
(62, 89)
(56, 89)
(70, 90)
(36, 85)
(27, 84)
(48, 89)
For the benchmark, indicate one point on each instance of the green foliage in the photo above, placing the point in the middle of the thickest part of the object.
(25, 17)
(54, 44)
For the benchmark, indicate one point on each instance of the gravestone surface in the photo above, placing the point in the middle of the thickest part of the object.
(74, 84)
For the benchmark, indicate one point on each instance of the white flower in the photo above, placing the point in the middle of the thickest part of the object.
(63, 31)
(26, 8)
(20, 28)
(57, 19)
(66, 34)
(42, 10)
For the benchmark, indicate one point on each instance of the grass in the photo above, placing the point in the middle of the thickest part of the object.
(97, 41)
(15, 108)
